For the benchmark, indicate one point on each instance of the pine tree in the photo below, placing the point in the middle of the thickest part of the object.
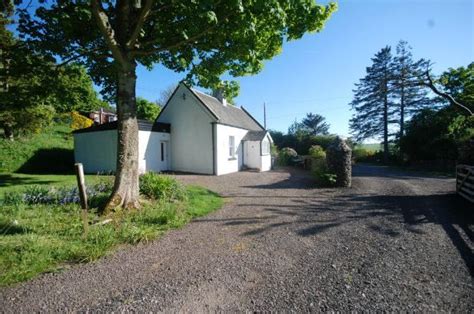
(411, 96)
(372, 101)
(315, 124)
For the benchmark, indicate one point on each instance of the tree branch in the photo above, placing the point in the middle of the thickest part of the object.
(144, 12)
(446, 96)
(78, 56)
(175, 45)
(107, 31)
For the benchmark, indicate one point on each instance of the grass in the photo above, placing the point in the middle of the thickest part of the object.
(35, 239)
(10, 182)
(50, 151)
(370, 147)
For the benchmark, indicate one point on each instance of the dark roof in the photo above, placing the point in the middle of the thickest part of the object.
(254, 136)
(143, 125)
(228, 115)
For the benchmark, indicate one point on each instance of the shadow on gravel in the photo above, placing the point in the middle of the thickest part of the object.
(448, 210)
(370, 170)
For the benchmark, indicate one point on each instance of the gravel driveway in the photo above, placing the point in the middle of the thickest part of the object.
(395, 241)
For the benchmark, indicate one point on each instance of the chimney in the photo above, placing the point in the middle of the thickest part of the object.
(219, 94)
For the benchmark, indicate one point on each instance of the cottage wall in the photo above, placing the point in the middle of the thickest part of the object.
(224, 163)
(191, 133)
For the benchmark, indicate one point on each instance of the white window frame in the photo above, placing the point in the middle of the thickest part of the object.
(231, 147)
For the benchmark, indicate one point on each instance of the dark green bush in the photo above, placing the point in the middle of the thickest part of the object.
(286, 155)
(161, 187)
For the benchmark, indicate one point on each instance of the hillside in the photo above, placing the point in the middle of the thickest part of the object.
(50, 151)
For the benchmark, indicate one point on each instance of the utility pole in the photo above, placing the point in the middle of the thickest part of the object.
(264, 117)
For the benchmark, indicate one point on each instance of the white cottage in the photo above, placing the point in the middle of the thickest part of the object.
(194, 133)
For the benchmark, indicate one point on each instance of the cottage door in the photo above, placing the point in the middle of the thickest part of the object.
(164, 156)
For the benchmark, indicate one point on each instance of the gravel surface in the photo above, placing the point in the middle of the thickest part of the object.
(395, 241)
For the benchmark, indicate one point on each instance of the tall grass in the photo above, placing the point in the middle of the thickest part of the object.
(46, 237)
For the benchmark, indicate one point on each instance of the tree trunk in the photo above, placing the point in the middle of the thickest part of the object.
(8, 132)
(385, 126)
(402, 111)
(126, 189)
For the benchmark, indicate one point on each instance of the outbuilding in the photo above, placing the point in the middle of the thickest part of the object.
(194, 132)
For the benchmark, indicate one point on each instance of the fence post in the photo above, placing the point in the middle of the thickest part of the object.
(82, 195)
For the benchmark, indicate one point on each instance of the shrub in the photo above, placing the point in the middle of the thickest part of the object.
(161, 187)
(79, 121)
(363, 155)
(286, 155)
(317, 152)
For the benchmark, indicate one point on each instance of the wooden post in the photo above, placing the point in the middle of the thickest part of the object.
(82, 195)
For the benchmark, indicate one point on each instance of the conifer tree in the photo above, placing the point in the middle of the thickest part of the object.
(372, 101)
(411, 97)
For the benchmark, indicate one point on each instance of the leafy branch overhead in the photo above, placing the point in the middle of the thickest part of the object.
(203, 38)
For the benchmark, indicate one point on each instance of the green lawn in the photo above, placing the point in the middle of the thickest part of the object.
(42, 238)
(370, 147)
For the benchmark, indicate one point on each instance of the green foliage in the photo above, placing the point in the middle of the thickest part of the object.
(459, 83)
(301, 141)
(410, 96)
(41, 238)
(30, 120)
(147, 110)
(434, 135)
(161, 187)
(317, 152)
(315, 124)
(361, 154)
(373, 110)
(286, 155)
(48, 151)
(206, 41)
(319, 167)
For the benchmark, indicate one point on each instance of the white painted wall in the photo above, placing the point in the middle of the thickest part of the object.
(225, 164)
(252, 154)
(266, 163)
(150, 151)
(266, 160)
(191, 131)
(97, 151)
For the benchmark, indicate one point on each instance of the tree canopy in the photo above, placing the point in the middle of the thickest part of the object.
(204, 39)
(315, 124)
(147, 110)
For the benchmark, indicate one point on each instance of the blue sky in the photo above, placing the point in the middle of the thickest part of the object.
(317, 73)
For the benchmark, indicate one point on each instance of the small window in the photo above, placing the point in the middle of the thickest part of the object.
(162, 151)
(231, 146)
(265, 147)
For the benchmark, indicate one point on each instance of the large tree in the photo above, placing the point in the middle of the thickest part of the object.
(372, 101)
(411, 97)
(203, 38)
(315, 124)
(33, 87)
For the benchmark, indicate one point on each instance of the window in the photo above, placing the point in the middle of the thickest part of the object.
(231, 146)
(162, 151)
(265, 147)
